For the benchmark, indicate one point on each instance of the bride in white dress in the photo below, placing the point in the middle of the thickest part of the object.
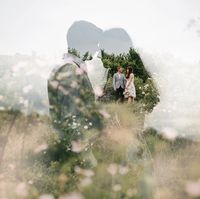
(130, 91)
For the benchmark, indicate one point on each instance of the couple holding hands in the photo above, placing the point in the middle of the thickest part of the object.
(124, 85)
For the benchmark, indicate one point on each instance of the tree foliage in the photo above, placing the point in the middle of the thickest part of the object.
(146, 91)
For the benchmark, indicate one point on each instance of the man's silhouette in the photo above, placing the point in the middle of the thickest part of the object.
(71, 97)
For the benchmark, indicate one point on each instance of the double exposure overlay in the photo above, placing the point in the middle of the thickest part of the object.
(99, 100)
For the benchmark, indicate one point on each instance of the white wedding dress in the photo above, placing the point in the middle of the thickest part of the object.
(130, 87)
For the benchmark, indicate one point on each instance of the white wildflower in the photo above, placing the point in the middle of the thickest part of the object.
(22, 190)
(86, 127)
(85, 181)
(73, 195)
(46, 196)
(77, 146)
(104, 113)
(116, 187)
(112, 169)
(40, 148)
(123, 170)
(193, 188)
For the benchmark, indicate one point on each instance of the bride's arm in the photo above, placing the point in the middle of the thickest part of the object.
(132, 77)
(129, 81)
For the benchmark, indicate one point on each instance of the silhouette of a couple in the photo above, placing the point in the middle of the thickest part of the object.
(73, 87)
(70, 89)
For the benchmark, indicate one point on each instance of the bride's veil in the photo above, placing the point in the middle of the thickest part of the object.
(97, 73)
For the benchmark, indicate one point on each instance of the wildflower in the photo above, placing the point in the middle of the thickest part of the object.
(88, 172)
(22, 190)
(85, 182)
(77, 146)
(123, 170)
(46, 196)
(116, 187)
(73, 195)
(112, 169)
(105, 114)
(74, 84)
(193, 188)
(40, 148)
(86, 127)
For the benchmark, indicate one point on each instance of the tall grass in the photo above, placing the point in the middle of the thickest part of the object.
(128, 162)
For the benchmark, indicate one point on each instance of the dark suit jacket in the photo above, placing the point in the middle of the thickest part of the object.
(71, 99)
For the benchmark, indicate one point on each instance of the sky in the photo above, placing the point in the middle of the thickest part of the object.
(154, 25)
(166, 33)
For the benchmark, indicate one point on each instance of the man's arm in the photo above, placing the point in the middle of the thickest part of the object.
(125, 81)
(114, 86)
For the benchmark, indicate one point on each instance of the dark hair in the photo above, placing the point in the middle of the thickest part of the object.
(130, 70)
(118, 67)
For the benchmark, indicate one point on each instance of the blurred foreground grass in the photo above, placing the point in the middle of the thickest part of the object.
(127, 162)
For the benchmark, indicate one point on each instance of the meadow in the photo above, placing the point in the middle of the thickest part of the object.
(122, 161)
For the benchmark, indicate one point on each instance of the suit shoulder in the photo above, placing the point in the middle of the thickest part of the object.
(66, 68)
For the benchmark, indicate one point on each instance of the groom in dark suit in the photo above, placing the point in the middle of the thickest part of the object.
(70, 92)
(73, 110)
(119, 82)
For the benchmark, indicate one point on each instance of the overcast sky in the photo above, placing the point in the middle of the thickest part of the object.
(154, 25)
(166, 33)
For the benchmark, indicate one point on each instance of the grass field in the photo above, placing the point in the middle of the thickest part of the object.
(127, 162)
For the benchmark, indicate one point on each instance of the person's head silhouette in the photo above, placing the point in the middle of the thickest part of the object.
(86, 37)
